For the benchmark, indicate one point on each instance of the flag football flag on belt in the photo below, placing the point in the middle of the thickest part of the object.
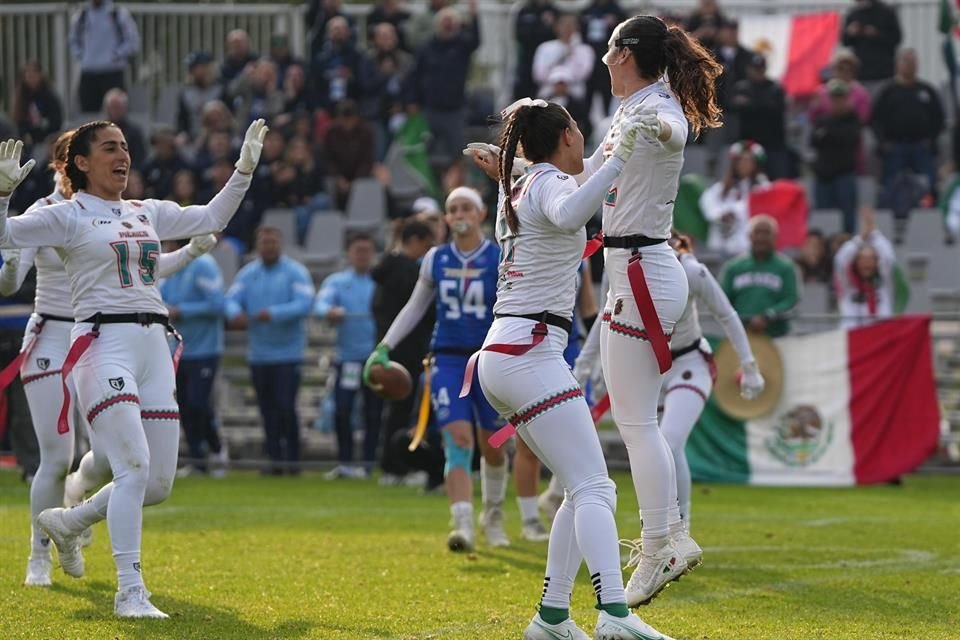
(857, 407)
(797, 48)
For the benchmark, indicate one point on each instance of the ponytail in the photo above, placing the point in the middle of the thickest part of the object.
(509, 141)
(692, 73)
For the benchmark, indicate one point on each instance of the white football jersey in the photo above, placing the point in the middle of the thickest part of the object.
(640, 201)
(110, 249)
(53, 285)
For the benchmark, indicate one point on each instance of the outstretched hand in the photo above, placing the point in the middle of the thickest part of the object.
(252, 146)
(11, 172)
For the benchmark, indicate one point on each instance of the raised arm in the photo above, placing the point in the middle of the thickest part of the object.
(16, 266)
(707, 291)
(591, 165)
(170, 263)
(570, 207)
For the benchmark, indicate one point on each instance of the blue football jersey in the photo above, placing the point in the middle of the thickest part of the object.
(466, 288)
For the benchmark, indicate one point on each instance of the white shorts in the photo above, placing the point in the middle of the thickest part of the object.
(666, 280)
(692, 372)
(53, 343)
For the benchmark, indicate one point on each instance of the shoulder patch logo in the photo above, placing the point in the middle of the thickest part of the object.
(116, 383)
(116, 211)
(127, 224)
(562, 176)
(43, 363)
(144, 219)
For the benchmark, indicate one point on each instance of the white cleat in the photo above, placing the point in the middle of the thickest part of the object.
(549, 503)
(135, 603)
(630, 628)
(491, 519)
(38, 572)
(534, 531)
(689, 549)
(73, 495)
(538, 629)
(64, 538)
(460, 541)
(654, 571)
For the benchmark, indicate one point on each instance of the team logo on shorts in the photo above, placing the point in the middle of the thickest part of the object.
(144, 219)
(127, 224)
(618, 307)
(117, 212)
(116, 383)
(43, 363)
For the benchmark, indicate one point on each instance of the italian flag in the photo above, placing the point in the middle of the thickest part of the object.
(797, 48)
(857, 407)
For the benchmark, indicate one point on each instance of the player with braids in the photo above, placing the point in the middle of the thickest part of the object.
(46, 342)
(665, 80)
(124, 373)
(540, 228)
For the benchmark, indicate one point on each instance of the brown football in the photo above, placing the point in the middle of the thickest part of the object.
(391, 383)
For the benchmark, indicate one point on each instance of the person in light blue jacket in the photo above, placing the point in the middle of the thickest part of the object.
(344, 300)
(271, 298)
(195, 302)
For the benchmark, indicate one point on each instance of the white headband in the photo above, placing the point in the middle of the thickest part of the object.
(522, 102)
(468, 194)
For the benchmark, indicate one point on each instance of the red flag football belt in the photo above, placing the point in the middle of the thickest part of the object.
(81, 344)
(648, 313)
(9, 373)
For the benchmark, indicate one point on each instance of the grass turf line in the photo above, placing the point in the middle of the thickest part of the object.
(257, 558)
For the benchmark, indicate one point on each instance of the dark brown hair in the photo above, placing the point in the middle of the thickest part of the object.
(691, 70)
(80, 143)
(537, 131)
(59, 161)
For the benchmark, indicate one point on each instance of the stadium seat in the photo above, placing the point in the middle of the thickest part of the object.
(815, 299)
(283, 219)
(138, 99)
(167, 105)
(828, 221)
(325, 237)
(867, 191)
(366, 205)
(228, 259)
(885, 224)
(924, 229)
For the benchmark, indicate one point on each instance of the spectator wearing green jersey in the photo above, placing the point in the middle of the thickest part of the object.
(762, 285)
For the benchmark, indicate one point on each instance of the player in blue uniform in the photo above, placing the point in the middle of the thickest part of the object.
(460, 278)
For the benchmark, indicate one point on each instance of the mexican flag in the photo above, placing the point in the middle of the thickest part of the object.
(785, 201)
(797, 48)
(857, 407)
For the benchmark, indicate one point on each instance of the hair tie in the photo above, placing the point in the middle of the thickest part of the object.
(523, 102)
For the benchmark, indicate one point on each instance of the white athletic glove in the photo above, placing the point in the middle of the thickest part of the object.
(252, 146)
(201, 245)
(649, 124)
(11, 173)
(629, 132)
(751, 382)
(493, 152)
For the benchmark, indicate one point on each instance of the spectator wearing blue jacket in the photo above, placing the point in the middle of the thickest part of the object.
(195, 303)
(344, 300)
(271, 298)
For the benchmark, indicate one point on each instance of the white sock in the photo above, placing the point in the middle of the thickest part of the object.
(563, 560)
(462, 513)
(685, 514)
(90, 511)
(128, 570)
(493, 483)
(528, 508)
(93, 472)
(555, 489)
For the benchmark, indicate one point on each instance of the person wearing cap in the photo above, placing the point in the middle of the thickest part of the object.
(566, 52)
(762, 105)
(835, 137)
(199, 90)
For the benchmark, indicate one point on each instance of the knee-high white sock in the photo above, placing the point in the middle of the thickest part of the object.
(563, 559)
(462, 514)
(681, 410)
(93, 471)
(90, 511)
(528, 508)
(493, 483)
(673, 507)
(684, 485)
(595, 504)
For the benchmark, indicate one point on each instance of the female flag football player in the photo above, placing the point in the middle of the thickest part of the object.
(124, 374)
(666, 79)
(461, 277)
(540, 228)
(42, 359)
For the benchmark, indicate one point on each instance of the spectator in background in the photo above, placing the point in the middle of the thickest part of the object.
(115, 109)
(163, 164)
(567, 52)
(533, 26)
(835, 138)
(318, 14)
(439, 78)
(907, 120)
(395, 278)
(344, 301)
(309, 183)
(215, 117)
(103, 41)
(597, 22)
(271, 298)
(296, 98)
(726, 204)
(843, 66)
(195, 302)
(385, 70)
(762, 286)
(558, 89)
(735, 60)
(388, 12)
(254, 94)
(199, 91)
(872, 30)
(217, 147)
(348, 150)
(261, 191)
(426, 210)
(184, 188)
(761, 105)
(239, 55)
(37, 111)
(419, 28)
(334, 69)
(281, 57)
(864, 276)
(241, 228)
(705, 22)
(813, 260)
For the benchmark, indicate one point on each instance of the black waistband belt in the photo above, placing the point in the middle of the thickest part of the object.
(630, 242)
(145, 319)
(684, 351)
(551, 319)
(52, 318)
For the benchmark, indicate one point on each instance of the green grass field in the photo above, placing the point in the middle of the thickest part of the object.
(262, 558)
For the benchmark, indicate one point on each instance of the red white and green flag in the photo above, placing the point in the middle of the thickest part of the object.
(797, 48)
(857, 407)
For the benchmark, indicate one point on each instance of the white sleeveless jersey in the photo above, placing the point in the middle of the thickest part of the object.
(110, 249)
(641, 200)
(53, 284)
